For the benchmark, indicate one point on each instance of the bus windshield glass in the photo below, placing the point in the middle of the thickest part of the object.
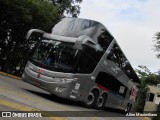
(55, 55)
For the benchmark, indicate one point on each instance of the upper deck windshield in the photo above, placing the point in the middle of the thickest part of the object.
(56, 55)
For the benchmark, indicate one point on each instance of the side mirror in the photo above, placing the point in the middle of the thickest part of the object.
(31, 31)
(78, 44)
(83, 40)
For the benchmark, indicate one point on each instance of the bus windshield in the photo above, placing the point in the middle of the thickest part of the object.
(55, 55)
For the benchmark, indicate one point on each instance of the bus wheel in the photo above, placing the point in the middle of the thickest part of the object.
(91, 99)
(101, 102)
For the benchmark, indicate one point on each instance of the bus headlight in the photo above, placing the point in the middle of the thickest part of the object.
(59, 89)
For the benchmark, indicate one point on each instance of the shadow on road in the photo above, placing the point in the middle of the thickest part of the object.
(54, 98)
(109, 111)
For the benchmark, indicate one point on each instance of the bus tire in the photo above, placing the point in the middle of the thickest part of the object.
(100, 104)
(91, 99)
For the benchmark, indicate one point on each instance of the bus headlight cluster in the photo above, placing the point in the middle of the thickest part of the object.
(60, 89)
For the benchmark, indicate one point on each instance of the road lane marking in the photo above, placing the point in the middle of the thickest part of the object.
(16, 106)
(21, 107)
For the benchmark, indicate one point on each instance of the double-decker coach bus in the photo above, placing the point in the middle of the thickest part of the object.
(80, 60)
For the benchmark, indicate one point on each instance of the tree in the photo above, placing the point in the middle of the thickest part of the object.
(17, 17)
(67, 7)
(147, 78)
(157, 44)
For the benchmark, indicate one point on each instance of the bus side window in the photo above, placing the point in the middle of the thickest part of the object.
(110, 56)
(104, 39)
(117, 56)
(110, 82)
(88, 60)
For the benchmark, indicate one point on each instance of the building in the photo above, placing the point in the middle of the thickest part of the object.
(153, 99)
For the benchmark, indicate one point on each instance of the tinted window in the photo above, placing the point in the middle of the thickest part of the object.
(117, 56)
(108, 81)
(85, 64)
(104, 39)
(92, 53)
(88, 60)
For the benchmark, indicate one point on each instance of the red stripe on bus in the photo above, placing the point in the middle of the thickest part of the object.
(102, 87)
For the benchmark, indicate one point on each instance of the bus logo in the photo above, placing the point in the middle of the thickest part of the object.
(40, 70)
(6, 114)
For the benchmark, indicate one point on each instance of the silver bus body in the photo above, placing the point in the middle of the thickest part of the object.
(90, 66)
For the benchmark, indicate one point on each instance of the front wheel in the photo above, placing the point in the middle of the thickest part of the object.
(91, 99)
(101, 102)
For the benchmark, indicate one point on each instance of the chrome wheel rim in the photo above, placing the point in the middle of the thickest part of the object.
(100, 102)
(90, 98)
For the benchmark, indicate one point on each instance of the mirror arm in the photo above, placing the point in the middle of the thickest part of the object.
(33, 30)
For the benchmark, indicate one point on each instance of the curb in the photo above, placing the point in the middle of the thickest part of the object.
(9, 75)
(146, 118)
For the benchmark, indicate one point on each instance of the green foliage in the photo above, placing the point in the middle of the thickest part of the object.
(157, 44)
(29, 13)
(157, 118)
(67, 7)
(147, 78)
(19, 16)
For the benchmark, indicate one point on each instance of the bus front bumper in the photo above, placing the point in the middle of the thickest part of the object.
(60, 89)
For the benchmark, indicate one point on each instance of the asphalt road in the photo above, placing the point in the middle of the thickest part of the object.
(24, 100)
